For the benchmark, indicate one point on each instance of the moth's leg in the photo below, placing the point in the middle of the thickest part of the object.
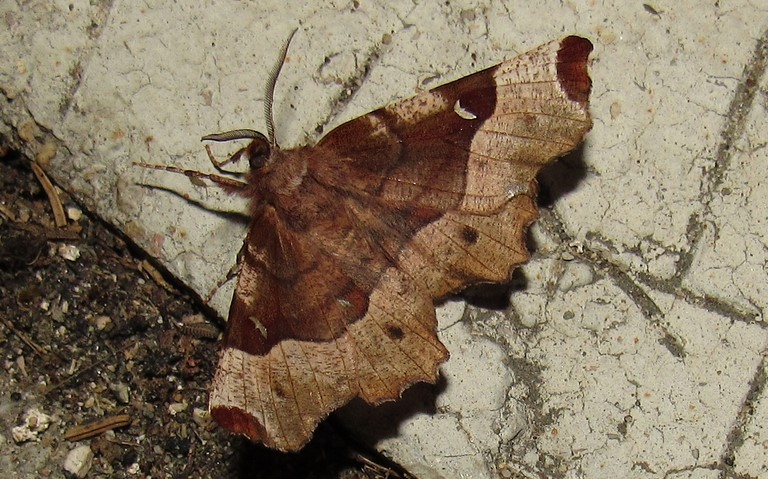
(219, 165)
(228, 184)
(232, 273)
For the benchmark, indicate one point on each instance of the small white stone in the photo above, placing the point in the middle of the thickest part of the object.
(201, 417)
(102, 322)
(69, 252)
(122, 392)
(177, 407)
(35, 422)
(78, 461)
(134, 469)
(21, 363)
(74, 213)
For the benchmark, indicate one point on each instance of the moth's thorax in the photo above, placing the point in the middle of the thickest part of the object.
(281, 175)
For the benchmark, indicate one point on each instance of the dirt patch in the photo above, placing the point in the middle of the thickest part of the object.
(88, 335)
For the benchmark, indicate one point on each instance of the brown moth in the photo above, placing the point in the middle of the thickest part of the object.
(352, 240)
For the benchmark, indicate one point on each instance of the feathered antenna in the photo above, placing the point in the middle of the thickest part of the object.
(269, 94)
(242, 134)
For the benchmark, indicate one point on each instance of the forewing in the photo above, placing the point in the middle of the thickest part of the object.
(471, 144)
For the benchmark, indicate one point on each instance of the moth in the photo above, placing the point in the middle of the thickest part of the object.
(352, 240)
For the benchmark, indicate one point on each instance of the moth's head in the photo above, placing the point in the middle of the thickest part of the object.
(257, 152)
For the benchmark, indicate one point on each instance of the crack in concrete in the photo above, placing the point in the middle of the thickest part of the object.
(349, 87)
(95, 30)
(737, 435)
(736, 120)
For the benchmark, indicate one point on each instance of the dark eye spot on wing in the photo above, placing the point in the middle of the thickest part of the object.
(469, 235)
(394, 332)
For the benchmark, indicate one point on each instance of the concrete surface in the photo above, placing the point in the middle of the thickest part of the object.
(636, 347)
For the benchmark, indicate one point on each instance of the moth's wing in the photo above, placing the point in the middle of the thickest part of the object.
(465, 153)
(398, 207)
(472, 144)
(318, 317)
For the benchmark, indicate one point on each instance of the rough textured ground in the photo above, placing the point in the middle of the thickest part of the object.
(97, 336)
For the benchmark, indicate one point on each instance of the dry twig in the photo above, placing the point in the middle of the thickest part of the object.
(59, 217)
(91, 429)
